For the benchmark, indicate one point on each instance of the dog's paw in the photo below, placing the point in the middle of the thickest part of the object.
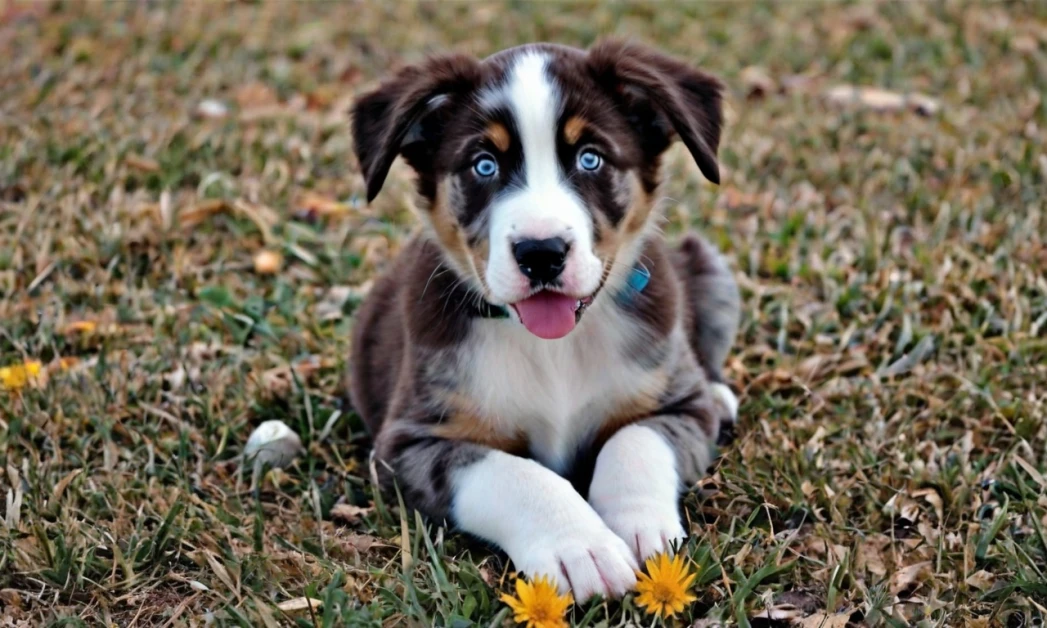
(647, 530)
(587, 560)
(727, 402)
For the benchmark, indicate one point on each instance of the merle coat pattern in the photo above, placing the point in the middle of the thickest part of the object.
(568, 453)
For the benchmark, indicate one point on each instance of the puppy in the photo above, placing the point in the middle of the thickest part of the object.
(537, 367)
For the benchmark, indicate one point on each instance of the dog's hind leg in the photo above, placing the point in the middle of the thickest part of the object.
(712, 312)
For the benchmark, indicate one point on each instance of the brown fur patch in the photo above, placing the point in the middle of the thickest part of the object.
(446, 227)
(499, 136)
(638, 408)
(636, 217)
(607, 245)
(466, 427)
(611, 239)
(572, 130)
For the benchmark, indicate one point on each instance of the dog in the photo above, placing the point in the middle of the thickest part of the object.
(537, 367)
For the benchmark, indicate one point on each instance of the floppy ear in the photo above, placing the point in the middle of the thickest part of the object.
(403, 116)
(664, 97)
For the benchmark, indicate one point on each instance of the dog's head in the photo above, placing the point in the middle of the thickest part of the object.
(539, 165)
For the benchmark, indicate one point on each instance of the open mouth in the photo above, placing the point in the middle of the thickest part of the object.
(550, 315)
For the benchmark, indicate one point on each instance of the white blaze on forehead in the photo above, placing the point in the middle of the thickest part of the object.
(535, 103)
(533, 100)
(542, 205)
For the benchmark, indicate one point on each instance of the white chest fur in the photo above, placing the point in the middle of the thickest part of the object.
(556, 392)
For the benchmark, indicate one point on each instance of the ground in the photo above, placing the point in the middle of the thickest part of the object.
(892, 362)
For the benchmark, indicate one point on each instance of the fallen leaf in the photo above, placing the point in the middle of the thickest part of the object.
(348, 513)
(311, 206)
(981, 580)
(362, 543)
(80, 327)
(59, 489)
(144, 164)
(822, 620)
(279, 380)
(201, 211)
(908, 576)
(66, 364)
(300, 604)
(322, 96)
(869, 556)
(901, 506)
(255, 95)
(882, 100)
(10, 598)
(736, 200)
(222, 573)
(929, 532)
(488, 575)
(1025, 44)
(932, 497)
(177, 378)
(810, 368)
(741, 555)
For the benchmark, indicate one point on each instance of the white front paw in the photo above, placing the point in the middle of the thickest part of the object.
(646, 529)
(586, 559)
(727, 400)
(635, 490)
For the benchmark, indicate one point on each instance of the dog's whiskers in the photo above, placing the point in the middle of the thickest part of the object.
(432, 275)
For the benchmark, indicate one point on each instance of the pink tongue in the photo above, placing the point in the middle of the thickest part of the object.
(547, 315)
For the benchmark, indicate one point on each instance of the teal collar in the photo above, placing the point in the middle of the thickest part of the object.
(638, 279)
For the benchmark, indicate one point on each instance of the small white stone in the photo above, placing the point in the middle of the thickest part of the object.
(212, 109)
(272, 443)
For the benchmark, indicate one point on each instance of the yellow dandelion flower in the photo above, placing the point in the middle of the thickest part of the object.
(538, 604)
(17, 376)
(663, 590)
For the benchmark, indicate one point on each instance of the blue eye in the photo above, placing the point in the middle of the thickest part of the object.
(589, 160)
(485, 166)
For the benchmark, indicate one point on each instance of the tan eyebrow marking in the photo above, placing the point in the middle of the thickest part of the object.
(498, 135)
(572, 130)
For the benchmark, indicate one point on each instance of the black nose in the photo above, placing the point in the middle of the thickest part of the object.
(541, 261)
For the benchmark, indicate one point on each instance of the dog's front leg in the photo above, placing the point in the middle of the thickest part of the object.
(533, 514)
(642, 469)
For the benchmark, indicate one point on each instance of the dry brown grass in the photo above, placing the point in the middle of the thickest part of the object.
(893, 358)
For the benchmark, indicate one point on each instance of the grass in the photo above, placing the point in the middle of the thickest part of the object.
(892, 360)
